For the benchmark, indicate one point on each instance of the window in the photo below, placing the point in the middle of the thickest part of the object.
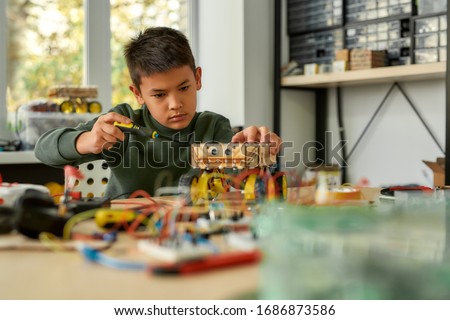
(46, 43)
(45, 47)
(129, 17)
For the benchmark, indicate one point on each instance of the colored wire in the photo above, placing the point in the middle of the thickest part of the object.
(51, 241)
(96, 256)
(77, 219)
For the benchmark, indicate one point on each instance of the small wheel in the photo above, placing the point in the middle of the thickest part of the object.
(188, 185)
(94, 107)
(67, 106)
(254, 188)
(81, 106)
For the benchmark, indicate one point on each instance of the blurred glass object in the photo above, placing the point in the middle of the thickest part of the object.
(363, 252)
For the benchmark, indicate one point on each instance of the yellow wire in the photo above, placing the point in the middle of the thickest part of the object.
(50, 241)
(77, 219)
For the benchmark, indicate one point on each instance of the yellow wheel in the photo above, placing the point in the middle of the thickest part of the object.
(254, 187)
(67, 106)
(188, 185)
(81, 106)
(94, 107)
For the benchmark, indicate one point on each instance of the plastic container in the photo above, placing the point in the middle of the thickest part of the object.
(31, 125)
(426, 55)
(427, 25)
(443, 22)
(333, 253)
(426, 40)
(431, 6)
(443, 38)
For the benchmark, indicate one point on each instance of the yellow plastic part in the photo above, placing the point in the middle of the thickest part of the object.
(210, 185)
(271, 190)
(124, 125)
(55, 189)
(107, 217)
(283, 187)
(216, 187)
(202, 186)
(81, 106)
(249, 188)
(194, 191)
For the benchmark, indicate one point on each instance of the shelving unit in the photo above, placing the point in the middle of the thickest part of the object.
(321, 82)
(412, 72)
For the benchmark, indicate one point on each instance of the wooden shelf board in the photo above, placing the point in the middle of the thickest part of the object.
(412, 72)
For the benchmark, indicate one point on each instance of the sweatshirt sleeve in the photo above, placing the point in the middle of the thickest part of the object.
(57, 148)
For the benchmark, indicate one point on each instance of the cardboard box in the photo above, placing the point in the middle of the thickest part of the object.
(438, 169)
(366, 59)
(311, 69)
(342, 55)
(340, 66)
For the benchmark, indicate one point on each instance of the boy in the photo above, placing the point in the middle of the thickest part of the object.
(165, 82)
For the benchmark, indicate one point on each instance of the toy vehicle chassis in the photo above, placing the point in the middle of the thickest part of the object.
(78, 99)
(251, 161)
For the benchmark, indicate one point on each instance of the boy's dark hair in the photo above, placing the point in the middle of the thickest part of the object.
(157, 49)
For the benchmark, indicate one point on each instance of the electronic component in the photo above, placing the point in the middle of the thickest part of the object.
(184, 252)
(10, 192)
(35, 212)
(108, 218)
(231, 155)
(6, 215)
(208, 263)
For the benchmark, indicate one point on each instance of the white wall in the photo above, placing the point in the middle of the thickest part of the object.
(392, 150)
(235, 50)
(297, 110)
(4, 134)
(258, 62)
(221, 56)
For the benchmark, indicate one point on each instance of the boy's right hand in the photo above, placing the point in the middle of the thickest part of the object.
(103, 134)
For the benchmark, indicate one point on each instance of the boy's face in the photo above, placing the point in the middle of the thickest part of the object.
(171, 96)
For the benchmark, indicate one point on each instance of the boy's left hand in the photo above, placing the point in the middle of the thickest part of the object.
(259, 134)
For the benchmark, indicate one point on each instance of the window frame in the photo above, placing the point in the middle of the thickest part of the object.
(96, 55)
(3, 74)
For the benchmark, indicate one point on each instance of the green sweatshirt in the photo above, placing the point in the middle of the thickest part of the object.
(137, 163)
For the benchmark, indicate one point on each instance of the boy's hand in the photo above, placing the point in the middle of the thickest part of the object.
(259, 134)
(103, 134)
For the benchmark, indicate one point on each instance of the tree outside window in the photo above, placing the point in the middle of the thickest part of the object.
(46, 39)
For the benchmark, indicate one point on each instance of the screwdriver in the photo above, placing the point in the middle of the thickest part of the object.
(134, 129)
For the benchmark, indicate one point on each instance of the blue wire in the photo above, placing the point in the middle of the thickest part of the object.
(94, 255)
